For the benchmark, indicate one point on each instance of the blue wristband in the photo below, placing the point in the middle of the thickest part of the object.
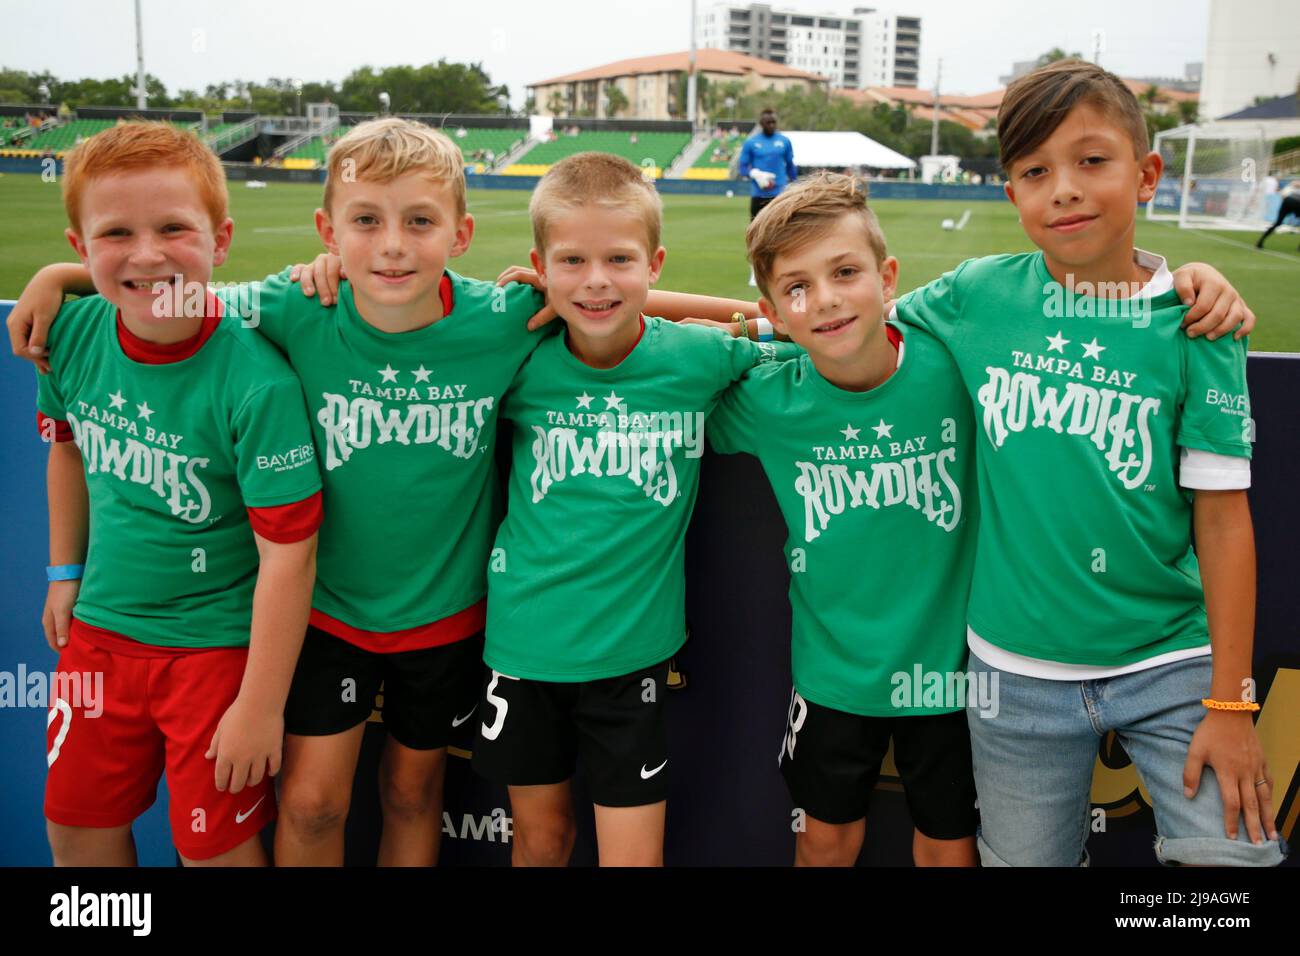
(64, 572)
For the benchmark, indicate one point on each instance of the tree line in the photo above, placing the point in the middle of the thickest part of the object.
(440, 87)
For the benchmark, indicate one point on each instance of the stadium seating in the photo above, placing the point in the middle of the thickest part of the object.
(313, 149)
(715, 162)
(63, 138)
(8, 134)
(728, 145)
(216, 129)
(499, 141)
(661, 148)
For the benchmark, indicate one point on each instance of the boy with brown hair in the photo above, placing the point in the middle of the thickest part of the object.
(184, 501)
(871, 455)
(1107, 438)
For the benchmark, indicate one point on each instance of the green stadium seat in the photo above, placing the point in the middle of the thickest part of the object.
(730, 144)
(662, 148)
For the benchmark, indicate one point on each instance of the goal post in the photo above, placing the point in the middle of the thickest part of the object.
(1214, 176)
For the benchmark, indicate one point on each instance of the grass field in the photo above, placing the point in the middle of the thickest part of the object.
(704, 236)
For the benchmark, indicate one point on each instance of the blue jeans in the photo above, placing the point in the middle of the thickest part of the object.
(1034, 760)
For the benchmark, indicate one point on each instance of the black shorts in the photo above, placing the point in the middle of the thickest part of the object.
(756, 204)
(534, 732)
(831, 761)
(427, 693)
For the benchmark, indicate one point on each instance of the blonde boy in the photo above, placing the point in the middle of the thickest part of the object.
(586, 598)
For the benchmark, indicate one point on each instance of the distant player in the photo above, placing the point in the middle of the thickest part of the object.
(1290, 207)
(767, 160)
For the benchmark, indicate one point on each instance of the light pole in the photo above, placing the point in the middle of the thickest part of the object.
(934, 125)
(141, 96)
(297, 90)
(690, 75)
(384, 101)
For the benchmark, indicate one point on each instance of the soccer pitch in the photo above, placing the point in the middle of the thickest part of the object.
(704, 236)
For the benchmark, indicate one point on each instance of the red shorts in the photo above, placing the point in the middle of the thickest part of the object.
(109, 738)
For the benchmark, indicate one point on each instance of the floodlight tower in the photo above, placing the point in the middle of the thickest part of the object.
(141, 95)
(934, 124)
(690, 75)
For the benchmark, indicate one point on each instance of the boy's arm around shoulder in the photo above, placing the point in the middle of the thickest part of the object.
(29, 321)
(271, 307)
(1215, 307)
(733, 426)
(739, 355)
(937, 307)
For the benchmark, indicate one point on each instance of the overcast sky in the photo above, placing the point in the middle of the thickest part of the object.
(190, 43)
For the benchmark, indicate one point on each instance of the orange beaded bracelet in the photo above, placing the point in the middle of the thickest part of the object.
(1229, 704)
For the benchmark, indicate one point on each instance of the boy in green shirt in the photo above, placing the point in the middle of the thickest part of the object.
(402, 377)
(586, 587)
(1107, 438)
(868, 442)
(184, 502)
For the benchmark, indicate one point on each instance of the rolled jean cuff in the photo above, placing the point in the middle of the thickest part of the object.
(1219, 851)
(990, 859)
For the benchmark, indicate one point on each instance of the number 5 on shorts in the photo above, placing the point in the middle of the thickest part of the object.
(499, 703)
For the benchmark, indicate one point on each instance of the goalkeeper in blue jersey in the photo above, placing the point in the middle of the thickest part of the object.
(767, 161)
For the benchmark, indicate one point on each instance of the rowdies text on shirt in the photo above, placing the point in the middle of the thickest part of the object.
(922, 480)
(432, 414)
(637, 446)
(172, 477)
(1116, 422)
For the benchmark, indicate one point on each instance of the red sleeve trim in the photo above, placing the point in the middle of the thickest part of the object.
(444, 293)
(285, 524)
(62, 430)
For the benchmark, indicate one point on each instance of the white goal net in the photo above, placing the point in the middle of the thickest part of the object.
(1214, 176)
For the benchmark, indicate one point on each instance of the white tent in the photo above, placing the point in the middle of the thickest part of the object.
(843, 149)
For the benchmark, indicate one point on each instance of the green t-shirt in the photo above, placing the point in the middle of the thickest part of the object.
(1084, 553)
(587, 579)
(174, 454)
(878, 493)
(405, 426)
